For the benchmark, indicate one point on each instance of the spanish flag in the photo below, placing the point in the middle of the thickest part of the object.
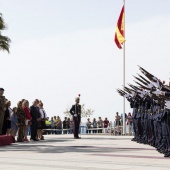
(119, 35)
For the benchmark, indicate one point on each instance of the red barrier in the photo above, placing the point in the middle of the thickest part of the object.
(6, 140)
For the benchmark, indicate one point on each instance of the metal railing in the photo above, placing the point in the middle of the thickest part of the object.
(113, 129)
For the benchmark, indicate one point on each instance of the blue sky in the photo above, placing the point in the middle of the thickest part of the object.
(61, 48)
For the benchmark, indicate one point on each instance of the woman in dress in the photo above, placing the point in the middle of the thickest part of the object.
(14, 122)
(21, 121)
(25, 106)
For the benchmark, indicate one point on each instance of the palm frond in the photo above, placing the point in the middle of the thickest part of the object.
(4, 43)
(2, 24)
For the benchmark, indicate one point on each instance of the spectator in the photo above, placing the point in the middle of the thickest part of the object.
(88, 126)
(59, 125)
(43, 118)
(100, 124)
(65, 125)
(47, 126)
(106, 123)
(34, 111)
(7, 123)
(68, 125)
(117, 123)
(94, 124)
(21, 121)
(129, 122)
(25, 106)
(2, 107)
(55, 124)
(52, 125)
(117, 119)
(14, 122)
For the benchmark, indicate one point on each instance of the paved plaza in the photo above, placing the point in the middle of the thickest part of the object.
(92, 152)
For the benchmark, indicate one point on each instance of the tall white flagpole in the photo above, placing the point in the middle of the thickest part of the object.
(124, 124)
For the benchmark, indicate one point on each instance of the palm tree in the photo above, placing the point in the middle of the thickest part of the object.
(4, 40)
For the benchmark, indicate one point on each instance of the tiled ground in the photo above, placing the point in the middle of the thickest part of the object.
(92, 152)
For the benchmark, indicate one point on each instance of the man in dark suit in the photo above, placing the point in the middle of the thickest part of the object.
(2, 109)
(76, 112)
(34, 111)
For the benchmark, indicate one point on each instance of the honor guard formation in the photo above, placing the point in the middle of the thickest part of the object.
(150, 100)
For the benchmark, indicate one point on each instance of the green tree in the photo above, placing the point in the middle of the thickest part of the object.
(84, 112)
(4, 40)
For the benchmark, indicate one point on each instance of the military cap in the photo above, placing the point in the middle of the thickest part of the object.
(77, 98)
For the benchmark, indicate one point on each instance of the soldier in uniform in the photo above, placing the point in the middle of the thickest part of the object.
(2, 109)
(76, 112)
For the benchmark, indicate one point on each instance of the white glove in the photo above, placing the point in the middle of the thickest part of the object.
(154, 78)
(139, 91)
(156, 84)
(75, 115)
(141, 95)
(150, 85)
(148, 92)
(133, 93)
(167, 104)
(144, 92)
(158, 92)
(126, 95)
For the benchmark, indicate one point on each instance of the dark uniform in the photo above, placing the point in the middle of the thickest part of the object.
(151, 112)
(34, 111)
(2, 112)
(76, 112)
(65, 126)
(7, 122)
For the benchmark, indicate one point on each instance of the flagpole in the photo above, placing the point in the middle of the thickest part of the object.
(124, 125)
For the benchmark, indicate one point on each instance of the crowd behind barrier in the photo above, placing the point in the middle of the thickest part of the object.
(112, 129)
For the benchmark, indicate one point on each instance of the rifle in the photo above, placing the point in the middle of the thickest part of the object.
(146, 73)
(134, 87)
(150, 76)
(141, 80)
(142, 86)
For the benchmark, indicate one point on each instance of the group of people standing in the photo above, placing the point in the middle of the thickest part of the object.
(19, 119)
(96, 125)
(55, 125)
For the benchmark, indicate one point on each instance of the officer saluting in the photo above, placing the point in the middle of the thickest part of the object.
(76, 112)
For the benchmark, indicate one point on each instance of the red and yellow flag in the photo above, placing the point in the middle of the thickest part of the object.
(119, 34)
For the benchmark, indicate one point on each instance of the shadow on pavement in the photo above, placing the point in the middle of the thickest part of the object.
(49, 146)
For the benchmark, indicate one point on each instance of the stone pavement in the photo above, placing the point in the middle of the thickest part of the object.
(92, 152)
